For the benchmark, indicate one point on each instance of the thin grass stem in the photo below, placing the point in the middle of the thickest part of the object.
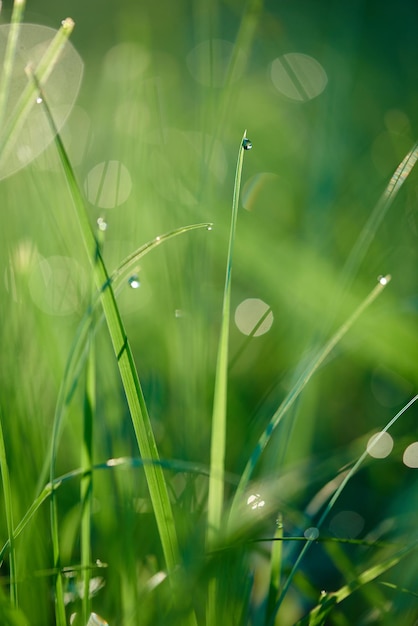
(10, 55)
(301, 383)
(8, 508)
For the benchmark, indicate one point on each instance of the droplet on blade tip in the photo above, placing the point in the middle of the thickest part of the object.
(134, 281)
(246, 144)
(383, 280)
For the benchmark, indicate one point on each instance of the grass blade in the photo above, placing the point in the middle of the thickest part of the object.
(9, 57)
(217, 455)
(301, 383)
(333, 500)
(319, 613)
(363, 242)
(218, 435)
(8, 508)
(29, 94)
(138, 410)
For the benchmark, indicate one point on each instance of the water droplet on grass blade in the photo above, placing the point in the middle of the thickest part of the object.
(383, 280)
(311, 533)
(101, 224)
(246, 144)
(24, 136)
(134, 281)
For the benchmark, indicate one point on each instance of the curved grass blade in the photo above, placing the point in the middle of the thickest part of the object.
(363, 242)
(89, 321)
(333, 500)
(300, 384)
(139, 414)
(317, 616)
(111, 464)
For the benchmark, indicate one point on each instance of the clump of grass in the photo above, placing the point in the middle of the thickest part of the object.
(214, 581)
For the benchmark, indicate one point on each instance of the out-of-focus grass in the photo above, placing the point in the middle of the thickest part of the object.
(316, 171)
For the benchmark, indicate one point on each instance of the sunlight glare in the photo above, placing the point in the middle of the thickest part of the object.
(298, 77)
(410, 455)
(380, 445)
(248, 315)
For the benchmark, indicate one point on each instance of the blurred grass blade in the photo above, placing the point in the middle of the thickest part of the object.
(136, 402)
(217, 454)
(88, 323)
(301, 383)
(9, 56)
(8, 509)
(86, 484)
(275, 567)
(28, 97)
(319, 613)
(333, 500)
(366, 236)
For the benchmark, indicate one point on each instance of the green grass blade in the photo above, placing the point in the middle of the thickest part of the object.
(319, 613)
(363, 242)
(333, 500)
(218, 435)
(301, 383)
(86, 485)
(133, 391)
(217, 454)
(9, 57)
(29, 94)
(8, 508)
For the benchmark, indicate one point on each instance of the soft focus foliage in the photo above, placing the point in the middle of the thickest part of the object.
(329, 97)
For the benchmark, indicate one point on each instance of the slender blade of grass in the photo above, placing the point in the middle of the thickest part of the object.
(332, 501)
(8, 508)
(9, 57)
(86, 485)
(218, 435)
(217, 453)
(369, 230)
(139, 414)
(300, 384)
(28, 97)
(319, 613)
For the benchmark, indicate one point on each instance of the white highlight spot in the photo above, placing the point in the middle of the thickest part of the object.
(60, 90)
(410, 455)
(311, 533)
(298, 76)
(108, 184)
(255, 501)
(380, 445)
(253, 313)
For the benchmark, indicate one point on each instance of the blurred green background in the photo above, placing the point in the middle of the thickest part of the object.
(328, 93)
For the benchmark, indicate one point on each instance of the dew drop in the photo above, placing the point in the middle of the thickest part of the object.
(383, 280)
(246, 144)
(39, 100)
(101, 224)
(311, 533)
(134, 281)
(210, 227)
